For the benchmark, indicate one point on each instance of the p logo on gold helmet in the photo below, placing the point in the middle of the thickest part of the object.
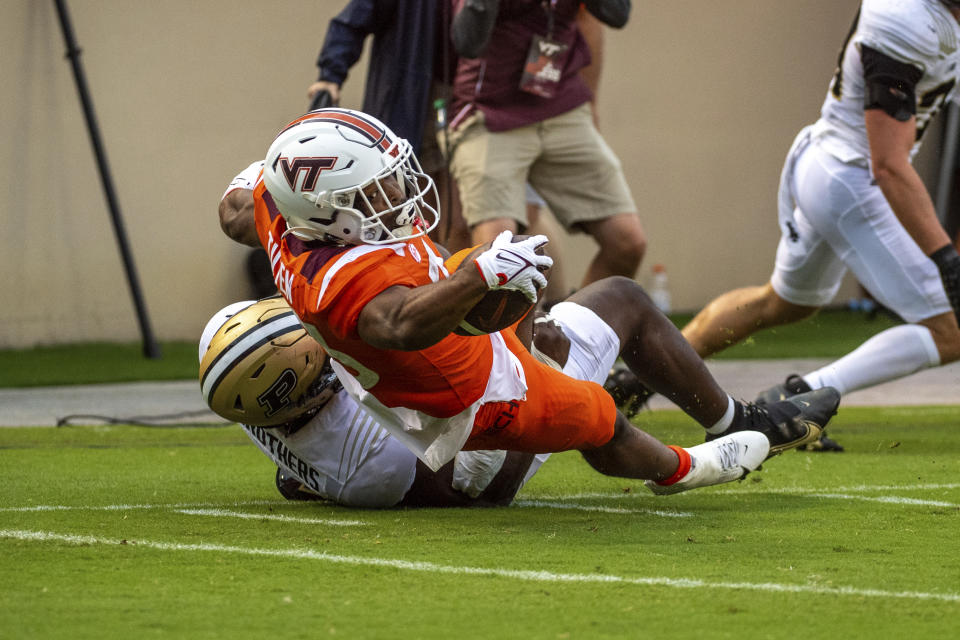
(259, 366)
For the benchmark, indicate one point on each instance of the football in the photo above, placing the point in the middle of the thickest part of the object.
(498, 309)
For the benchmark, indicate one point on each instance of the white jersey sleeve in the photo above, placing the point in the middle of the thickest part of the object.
(921, 33)
(343, 454)
(246, 179)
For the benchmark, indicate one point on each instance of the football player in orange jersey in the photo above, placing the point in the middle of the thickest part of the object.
(341, 210)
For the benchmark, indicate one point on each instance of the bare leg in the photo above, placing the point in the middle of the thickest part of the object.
(631, 453)
(946, 335)
(654, 350)
(622, 243)
(737, 314)
(659, 356)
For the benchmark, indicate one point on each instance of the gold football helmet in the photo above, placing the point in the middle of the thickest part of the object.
(258, 366)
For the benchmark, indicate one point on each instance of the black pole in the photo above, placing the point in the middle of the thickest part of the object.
(948, 163)
(150, 347)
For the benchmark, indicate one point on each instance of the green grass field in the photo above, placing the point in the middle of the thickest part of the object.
(123, 531)
(119, 532)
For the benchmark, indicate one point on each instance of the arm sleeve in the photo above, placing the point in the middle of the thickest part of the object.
(343, 43)
(890, 84)
(246, 179)
(472, 25)
(614, 13)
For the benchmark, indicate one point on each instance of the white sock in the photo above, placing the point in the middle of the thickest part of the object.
(889, 355)
(721, 425)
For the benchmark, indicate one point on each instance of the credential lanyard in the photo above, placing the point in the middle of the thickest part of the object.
(550, 8)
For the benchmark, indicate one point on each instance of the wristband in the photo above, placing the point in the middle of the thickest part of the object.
(943, 256)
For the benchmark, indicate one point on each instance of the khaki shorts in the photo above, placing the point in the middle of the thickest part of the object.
(564, 158)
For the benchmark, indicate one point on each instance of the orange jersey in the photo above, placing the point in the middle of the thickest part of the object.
(328, 286)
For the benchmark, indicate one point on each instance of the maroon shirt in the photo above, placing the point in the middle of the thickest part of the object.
(491, 83)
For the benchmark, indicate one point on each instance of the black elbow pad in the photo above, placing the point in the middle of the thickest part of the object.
(890, 84)
(887, 94)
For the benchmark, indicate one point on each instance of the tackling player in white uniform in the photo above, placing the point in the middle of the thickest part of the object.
(850, 199)
(259, 367)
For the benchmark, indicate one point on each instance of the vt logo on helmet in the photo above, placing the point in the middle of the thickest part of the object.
(340, 175)
(311, 167)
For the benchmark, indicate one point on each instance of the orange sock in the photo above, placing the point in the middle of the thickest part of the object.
(683, 468)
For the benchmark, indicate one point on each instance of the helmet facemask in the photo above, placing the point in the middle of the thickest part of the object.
(352, 211)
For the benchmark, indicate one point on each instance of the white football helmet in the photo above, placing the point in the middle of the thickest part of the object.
(259, 367)
(318, 167)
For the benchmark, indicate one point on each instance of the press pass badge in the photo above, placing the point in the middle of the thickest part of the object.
(544, 66)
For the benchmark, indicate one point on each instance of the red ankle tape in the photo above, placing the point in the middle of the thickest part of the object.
(683, 468)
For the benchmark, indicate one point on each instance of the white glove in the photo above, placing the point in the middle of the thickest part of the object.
(515, 265)
(474, 470)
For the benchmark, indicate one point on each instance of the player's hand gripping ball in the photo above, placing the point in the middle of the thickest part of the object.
(520, 272)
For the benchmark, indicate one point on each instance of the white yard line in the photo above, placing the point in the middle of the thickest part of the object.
(885, 499)
(214, 510)
(839, 493)
(589, 495)
(587, 507)
(554, 501)
(898, 487)
(516, 574)
(853, 489)
(221, 513)
(131, 507)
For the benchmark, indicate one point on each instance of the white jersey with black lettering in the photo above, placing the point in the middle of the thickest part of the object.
(343, 454)
(921, 33)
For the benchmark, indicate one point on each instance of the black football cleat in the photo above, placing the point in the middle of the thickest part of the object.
(793, 385)
(823, 444)
(292, 489)
(628, 393)
(790, 423)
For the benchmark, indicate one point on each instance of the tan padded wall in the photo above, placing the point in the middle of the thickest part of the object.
(700, 99)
